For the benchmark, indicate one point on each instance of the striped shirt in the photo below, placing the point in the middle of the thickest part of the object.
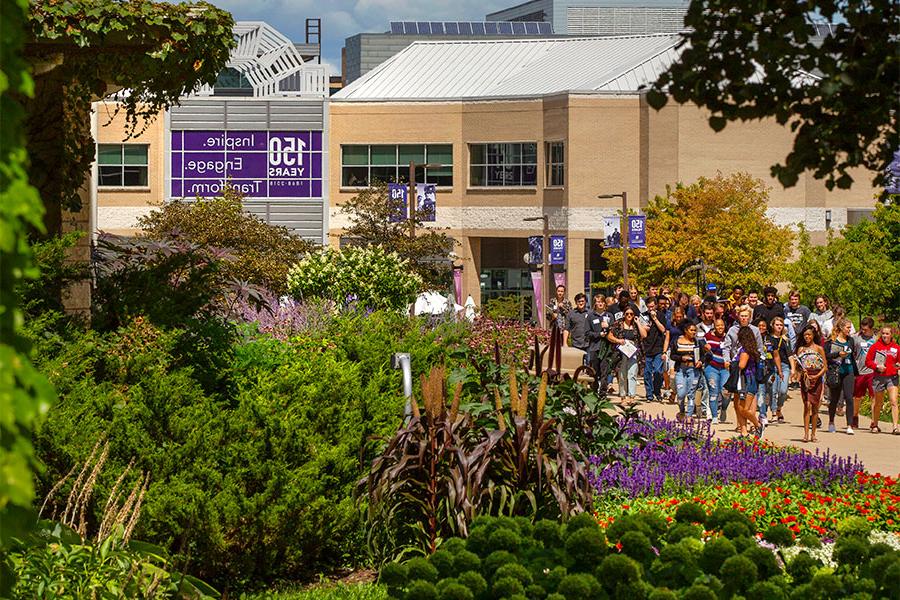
(715, 350)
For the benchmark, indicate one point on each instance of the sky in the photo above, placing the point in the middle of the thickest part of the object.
(344, 18)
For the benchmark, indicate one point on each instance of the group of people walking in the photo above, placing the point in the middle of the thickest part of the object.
(744, 351)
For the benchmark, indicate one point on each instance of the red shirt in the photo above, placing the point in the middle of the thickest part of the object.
(891, 352)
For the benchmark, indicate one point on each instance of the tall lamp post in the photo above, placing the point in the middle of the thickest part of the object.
(545, 263)
(625, 232)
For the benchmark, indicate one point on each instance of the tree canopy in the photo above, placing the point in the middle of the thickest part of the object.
(754, 60)
(722, 220)
(373, 222)
(80, 50)
(859, 269)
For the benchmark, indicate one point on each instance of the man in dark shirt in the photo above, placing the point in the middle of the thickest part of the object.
(599, 349)
(577, 324)
(654, 344)
(796, 313)
(770, 308)
(618, 310)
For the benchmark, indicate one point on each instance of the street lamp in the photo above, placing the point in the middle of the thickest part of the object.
(625, 232)
(545, 264)
(412, 191)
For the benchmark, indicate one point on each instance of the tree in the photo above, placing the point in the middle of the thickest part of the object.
(754, 60)
(261, 253)
(374, 222)
(81, 50)
(859, 269)
(25, 394)
(723, 220)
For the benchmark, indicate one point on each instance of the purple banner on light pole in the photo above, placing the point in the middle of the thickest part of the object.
(259, 164)
(426, 201)
(535, 249)
(557, 249)
(397, 193)
(637, 232)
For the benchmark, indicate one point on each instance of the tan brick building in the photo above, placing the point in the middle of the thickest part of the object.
(541, 127)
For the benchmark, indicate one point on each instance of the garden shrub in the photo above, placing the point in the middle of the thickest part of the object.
(854, 526)
(779, 535)
(683, 530)
(690, 512)
(455, 591)
(420, 568)
(252, 463)
(421, 590)
(850, 552)
(262, 253)
(443, 562)
(713, 567)
(466, 561)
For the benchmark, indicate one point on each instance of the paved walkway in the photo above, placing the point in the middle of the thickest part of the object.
(880, 453)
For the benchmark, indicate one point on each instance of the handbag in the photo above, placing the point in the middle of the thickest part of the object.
(833, 375)
(735, 382)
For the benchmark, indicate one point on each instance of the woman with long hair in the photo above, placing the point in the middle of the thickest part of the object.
(675, 325)
(839, 352)
(628, 329)
(686, 356)
(812, 365)
(884, 359)
(747, 358)
(783, 356)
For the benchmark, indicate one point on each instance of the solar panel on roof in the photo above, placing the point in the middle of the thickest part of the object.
(505, 28)
(409, 28)
(437, 28)
(424, 28)
(490, 28)
(545, 28)
(477, 28)
(465, 29)
(531, 28)
(451, 28)
(518, 28)
(396, 27)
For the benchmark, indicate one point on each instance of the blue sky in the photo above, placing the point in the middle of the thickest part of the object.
(343, 18)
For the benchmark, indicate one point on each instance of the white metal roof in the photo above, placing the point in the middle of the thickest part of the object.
(515, 68)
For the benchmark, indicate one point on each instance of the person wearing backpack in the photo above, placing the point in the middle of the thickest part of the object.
(841, 372)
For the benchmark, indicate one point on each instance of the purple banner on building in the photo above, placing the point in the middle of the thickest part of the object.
(557, 249)
(637, 232)
(259, 164)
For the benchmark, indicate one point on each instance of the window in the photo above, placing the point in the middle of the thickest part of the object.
(232, 82)
(502, 165)
(363, 165)
(556, 164)
(122, 165)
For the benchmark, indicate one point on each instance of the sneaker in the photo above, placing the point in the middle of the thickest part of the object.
(849, 431)
(762, 427)
(831, 428)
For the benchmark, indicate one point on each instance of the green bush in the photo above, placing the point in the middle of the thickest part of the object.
(507, 586)
(474, 581)
(547, 531)
(738, 574)
(466, 561)
(779, 535)
(851, 552)
(690, 512)
(579, 586)
(715, 552)
(443, 562)
(636, 545)
(261, 253)
(421, 590)
(455, 591)
(420, 568)
(504, 539)
(617, 568)
(587, 547)
(854, 526)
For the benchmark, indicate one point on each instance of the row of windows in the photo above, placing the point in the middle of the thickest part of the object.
(490, 165)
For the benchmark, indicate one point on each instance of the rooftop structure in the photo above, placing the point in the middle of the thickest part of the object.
(520, 68)
(600, 17)
(266, 63)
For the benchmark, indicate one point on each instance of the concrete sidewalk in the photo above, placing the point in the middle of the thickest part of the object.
(880, 453)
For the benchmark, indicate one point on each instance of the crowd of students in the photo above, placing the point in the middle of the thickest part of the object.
(744, 351)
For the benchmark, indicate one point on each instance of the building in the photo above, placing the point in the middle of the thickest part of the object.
(600, 17)
(365, 51)
(261, 127)
(530, 128)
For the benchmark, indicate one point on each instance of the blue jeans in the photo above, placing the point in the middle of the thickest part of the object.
(653, 376)
(628, 370)
(686, 381)
(715, 379)
(767, 395)
(781, 383)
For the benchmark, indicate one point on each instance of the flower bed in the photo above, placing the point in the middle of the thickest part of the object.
(804, 511)
(677, 458)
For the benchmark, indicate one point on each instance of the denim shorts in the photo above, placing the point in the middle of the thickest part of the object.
(881, 383)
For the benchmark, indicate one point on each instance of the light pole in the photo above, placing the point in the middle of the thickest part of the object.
(412, 192)
(625, 232)
(545, 263)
